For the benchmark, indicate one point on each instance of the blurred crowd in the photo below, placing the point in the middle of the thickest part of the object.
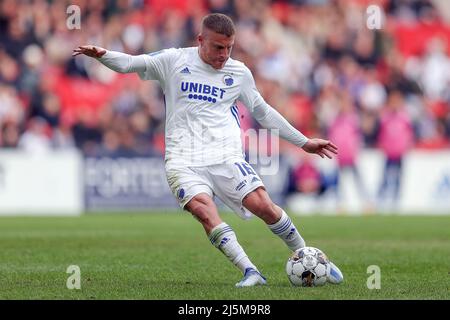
(315, 61)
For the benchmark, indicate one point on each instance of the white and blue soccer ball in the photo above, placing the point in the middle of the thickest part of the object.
(308, 267)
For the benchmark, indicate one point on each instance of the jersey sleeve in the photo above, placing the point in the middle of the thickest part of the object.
(250, 95)
(158, 65)
(267, 116)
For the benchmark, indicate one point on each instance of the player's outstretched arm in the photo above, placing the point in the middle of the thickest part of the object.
(90, 51)
(270, 118)
(117, 61)
(323, 148)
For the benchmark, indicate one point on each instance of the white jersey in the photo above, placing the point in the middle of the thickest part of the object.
(202, 119)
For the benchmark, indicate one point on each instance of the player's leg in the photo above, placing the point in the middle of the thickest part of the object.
(194, 193)
(259, 203)
(223, 238)
(203, 208)
(241, 189)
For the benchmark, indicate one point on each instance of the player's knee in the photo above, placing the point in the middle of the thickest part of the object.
(199, 210)
(198, 204)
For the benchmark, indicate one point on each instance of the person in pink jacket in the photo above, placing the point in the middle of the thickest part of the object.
(395, 138)
(345, 132)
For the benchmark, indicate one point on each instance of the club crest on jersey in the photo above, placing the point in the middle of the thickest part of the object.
(200, 91)
(228, 80)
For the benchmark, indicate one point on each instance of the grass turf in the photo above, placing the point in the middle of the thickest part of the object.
(167, 256)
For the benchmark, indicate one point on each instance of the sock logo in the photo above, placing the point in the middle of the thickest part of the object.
(224, 241)
(291, 233)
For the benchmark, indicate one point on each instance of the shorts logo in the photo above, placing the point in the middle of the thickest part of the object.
(181, 193)
(241, 185)
(228, 80)
(255, 179)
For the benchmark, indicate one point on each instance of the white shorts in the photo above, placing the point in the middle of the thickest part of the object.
(230, 182)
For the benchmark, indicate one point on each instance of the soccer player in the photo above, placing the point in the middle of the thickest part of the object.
(204, 156)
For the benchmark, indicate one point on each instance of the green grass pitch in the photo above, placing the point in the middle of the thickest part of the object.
(167, 256)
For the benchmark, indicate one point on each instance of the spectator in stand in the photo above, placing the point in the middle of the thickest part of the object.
(62, 137)
(303, 55)
(10, 134)
(395, 140)
(36, 139)
(306, 177)
(346, 132)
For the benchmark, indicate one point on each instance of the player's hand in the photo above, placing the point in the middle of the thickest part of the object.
(90, 51)
(323, 148)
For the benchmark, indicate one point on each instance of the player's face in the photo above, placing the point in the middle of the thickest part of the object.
(215, 48)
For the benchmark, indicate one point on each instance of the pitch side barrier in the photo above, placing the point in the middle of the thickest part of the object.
(66, 183)
(424, 186)
(41, 183)
(124, 183)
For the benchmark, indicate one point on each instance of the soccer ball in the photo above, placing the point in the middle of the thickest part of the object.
(308, 267)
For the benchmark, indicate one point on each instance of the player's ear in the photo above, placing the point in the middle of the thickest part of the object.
(200, 39)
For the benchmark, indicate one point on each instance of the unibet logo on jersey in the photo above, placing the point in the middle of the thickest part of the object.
(200, 91)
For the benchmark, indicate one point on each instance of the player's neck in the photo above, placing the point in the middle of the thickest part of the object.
(202, 59)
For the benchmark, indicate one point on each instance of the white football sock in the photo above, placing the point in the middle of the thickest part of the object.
(287, 232)
(224, 239)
